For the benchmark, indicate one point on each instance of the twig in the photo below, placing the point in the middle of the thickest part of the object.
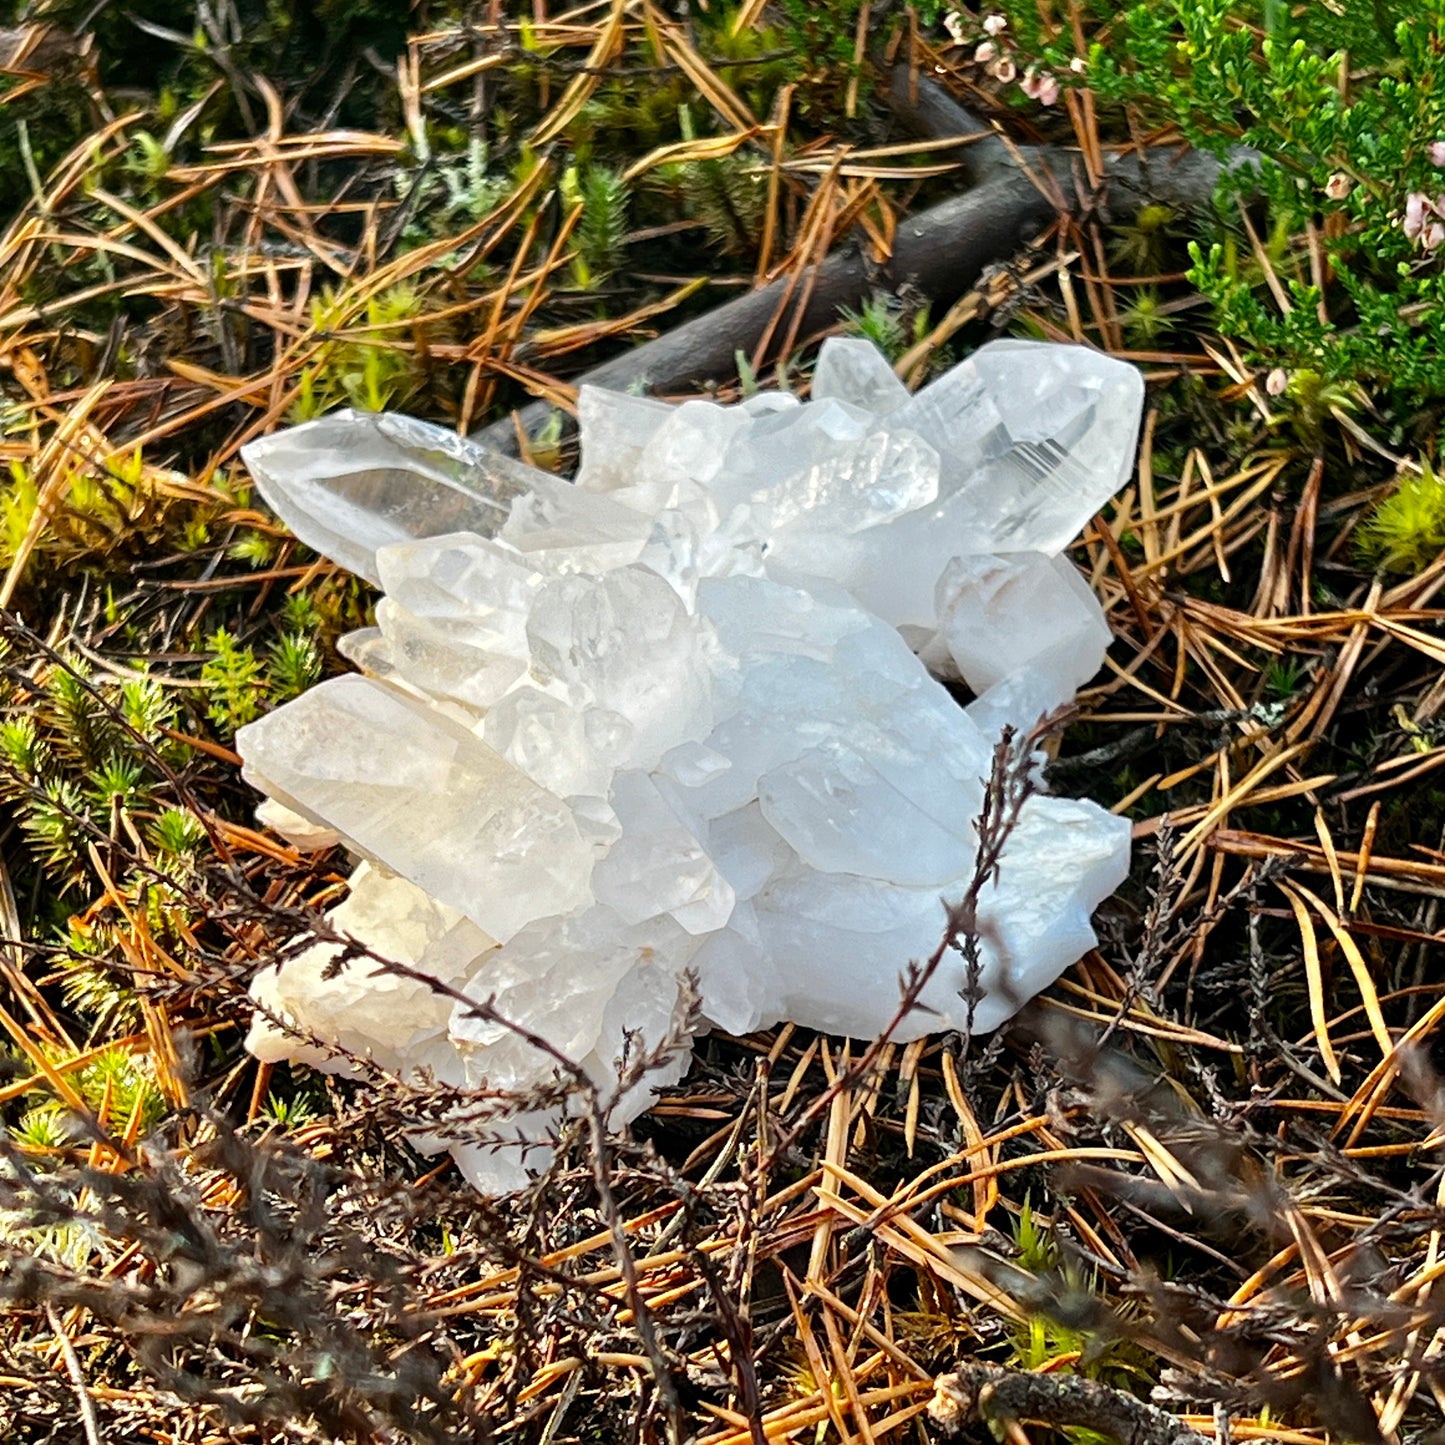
(978, 1392)
(642, 1318)
(1009, 787)
(941, 251)
(1139, 740)
(77, 1377)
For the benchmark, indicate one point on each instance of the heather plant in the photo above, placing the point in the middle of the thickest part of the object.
(1332, 116)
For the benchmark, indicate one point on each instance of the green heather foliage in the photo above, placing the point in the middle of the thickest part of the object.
(1341, 103)
(235, 677)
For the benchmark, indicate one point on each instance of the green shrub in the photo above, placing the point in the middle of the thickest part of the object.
(1343, 105)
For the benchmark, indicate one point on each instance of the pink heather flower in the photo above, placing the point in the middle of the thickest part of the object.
(1077, 65)
(1437, 152)
(1005, 70)
(1042, 88)
(1338, 186)
(995, 25)
(1416, 206)
(1434, 236)
(1276, 382)
(953, 23)
(985, 52)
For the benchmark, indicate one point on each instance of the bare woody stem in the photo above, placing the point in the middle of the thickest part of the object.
(988, 1394)
(1015, 192)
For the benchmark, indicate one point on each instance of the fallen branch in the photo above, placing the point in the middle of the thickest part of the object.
(989, 1394)
(941, 251)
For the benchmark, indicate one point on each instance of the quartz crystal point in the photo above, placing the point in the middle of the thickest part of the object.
(853, 370)
(681, 720)
(399, 1020)
(350, 483)
(409, 788)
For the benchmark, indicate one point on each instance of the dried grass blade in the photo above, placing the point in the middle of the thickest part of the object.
(1371, 1094)
(1362, 861)
(58, 475)
(62, 1087)
(985, 1188)
(1236, 797)
(576, 95)
(917, 1244)
(870, 1332)
(843, 1370)
(684, 152)
(187, 263)
(1358, 967)
(1314, 982)
(817, 1365)
(710, 85)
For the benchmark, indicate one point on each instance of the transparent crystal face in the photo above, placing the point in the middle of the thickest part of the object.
(854, 371)
(408, 788)
(351, 483)
(1033, 442)
(678, 719)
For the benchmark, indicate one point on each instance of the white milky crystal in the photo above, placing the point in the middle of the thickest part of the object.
(617, 431)
(301, 833)
(551, 741)
(658, 865)
(624, 643)
(1023, 631)
(454, 618)
(451, 659)
(688, 448)
(462, 578)
(846, 809)
(1034, 439)
(407, 788)
(597, 990)
(677, 720)
(560, 528)
(396, 1020)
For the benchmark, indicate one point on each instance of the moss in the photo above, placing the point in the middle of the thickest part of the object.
(1406, 532)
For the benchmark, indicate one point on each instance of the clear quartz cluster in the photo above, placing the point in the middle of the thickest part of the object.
(682, 718)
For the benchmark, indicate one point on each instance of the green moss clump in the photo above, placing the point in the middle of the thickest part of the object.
(1406, 532)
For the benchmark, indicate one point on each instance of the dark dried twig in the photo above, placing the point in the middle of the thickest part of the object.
(940, 252)
(980, 1393)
